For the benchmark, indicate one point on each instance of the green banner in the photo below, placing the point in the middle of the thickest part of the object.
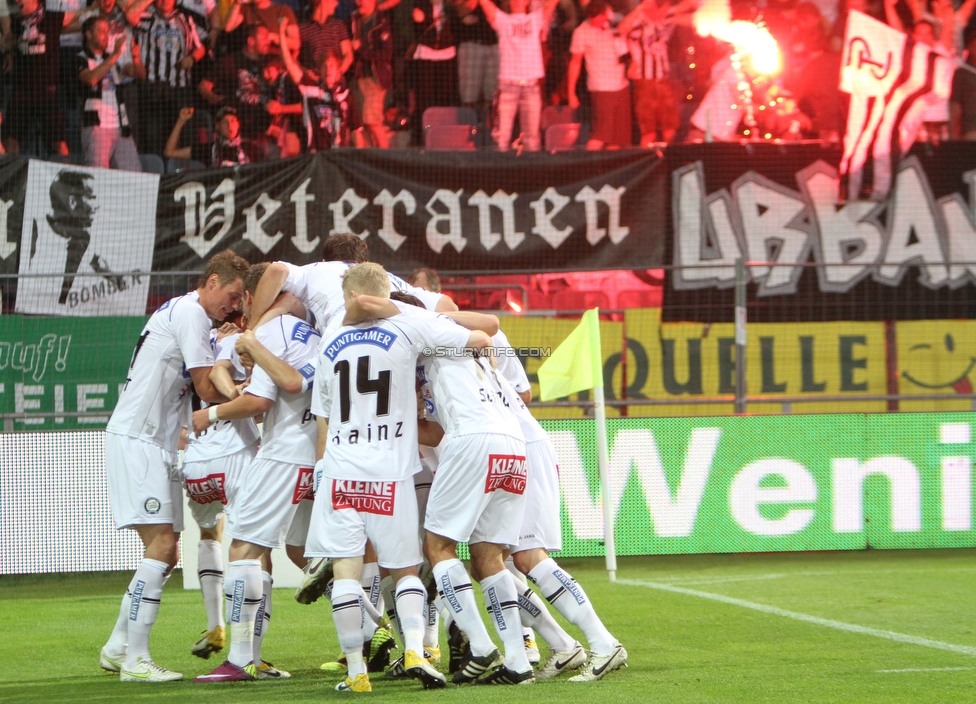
(64, 365)
(773, 483)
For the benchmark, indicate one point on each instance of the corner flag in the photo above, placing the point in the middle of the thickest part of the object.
(577, 364)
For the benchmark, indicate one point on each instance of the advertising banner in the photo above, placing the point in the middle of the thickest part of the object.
(64, 364)
(759, 484)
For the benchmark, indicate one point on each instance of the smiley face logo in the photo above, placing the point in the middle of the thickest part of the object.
(938, 366)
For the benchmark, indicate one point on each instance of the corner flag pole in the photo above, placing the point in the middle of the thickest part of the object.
(603, 460)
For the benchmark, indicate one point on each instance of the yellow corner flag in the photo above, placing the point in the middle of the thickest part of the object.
(577, 364)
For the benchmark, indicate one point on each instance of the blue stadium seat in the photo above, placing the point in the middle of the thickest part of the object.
(152, 164)
(175, 166)
(450, 137)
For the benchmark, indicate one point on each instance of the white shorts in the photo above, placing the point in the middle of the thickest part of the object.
(212, 484)
(478, 493)
(298, 530)
(144, 485)
(348, 512)
(267, 501)
(541, 525)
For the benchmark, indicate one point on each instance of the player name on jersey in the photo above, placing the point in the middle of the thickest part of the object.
(506, 473)
(366, 497)
(381, 433)
(208, 489)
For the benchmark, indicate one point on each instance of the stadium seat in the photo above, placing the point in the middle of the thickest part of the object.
(176, 166)
(639, 298)
(562, 137)
(152, 164)
(450, 137)
(449, 116)
(555, 115)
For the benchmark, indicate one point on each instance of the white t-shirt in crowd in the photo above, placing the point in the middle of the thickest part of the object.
(176, 338)
(601, 49)
(520, 45)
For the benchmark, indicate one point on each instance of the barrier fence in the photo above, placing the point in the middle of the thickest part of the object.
(677, 485)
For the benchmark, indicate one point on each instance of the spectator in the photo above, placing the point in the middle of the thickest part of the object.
(326, 113)
(238, 82)
(521, 69)
(105, 135)
(477, 58)
(270, 14)
(564, 21)
(170, 48)
(426, 279)
(34, 122)
(372, 44)
(962, 104)
(648, 30)
(228, 147)
(606, 80)
(69, 94)
(324, 34)
(284, 106)
(127, 88)
(435, 58)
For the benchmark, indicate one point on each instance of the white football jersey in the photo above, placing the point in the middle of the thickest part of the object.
(366, 386)
(509, 366)
(288, 433)
(531, 429)
(319, 287)
(463, 393)
(176, 338)
(226, 437)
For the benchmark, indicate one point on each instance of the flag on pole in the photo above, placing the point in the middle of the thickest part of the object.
(577, 364)
(892, 81)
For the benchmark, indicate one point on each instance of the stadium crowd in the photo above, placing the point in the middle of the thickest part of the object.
(393, 428)
(224, 82)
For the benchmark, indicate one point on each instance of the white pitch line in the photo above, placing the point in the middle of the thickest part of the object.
(725, 580)
(807, 618)
(930, 669)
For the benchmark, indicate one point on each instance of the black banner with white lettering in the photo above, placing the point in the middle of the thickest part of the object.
(810, 257)
(455, 212)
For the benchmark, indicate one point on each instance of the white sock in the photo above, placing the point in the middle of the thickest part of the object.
(501, 598)
(446, 614)
(536, 615)
(370, 581)
(568, 597)
(388, 599)
(210, 568)
(371, 618)
(347, 613)
(119, 640)
(145, 591)
(242, 591)
(431, 631)
(411, 597)
(454, 586)
(262, 619)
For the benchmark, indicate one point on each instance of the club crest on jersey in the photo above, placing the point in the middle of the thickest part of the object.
(377, 498)
(208, 489)
(152, 505)
(506, 473)
(303, 332)
(305, 486)
(377, 337)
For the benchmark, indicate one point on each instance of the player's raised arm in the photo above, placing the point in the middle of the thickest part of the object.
(475, 321)
(285, 376)
(244, 406)
(220, 377)
(267, 292)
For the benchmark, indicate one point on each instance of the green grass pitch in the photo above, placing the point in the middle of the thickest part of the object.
(831, 627)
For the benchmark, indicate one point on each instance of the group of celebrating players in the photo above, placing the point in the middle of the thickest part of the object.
(391, 432)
